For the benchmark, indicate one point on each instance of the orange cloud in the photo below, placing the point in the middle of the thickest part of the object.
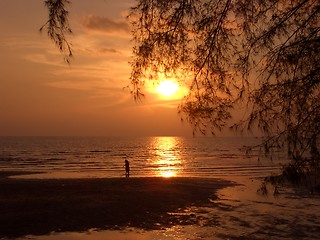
(104, 24)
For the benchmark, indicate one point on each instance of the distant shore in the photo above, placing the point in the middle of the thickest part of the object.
(37, 207)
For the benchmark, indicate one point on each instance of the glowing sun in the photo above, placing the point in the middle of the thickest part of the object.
(167, 88)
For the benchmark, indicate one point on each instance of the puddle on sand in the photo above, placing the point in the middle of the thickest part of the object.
(130, 234)
(242, 213)
(175, 233)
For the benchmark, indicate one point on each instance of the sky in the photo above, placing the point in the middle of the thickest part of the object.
(41, 95)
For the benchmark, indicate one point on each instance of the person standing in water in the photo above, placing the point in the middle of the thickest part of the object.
(127, 166)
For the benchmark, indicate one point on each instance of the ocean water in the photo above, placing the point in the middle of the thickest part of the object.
(70, 157)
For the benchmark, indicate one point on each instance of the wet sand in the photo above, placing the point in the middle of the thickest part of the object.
(38, 207)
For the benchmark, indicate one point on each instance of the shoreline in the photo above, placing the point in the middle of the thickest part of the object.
(41, 206)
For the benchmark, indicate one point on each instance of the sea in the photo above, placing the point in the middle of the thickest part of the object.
(103, 157)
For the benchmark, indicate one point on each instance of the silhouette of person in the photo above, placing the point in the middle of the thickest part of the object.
(127, 166)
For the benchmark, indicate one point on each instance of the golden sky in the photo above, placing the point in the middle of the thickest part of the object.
(41, 95)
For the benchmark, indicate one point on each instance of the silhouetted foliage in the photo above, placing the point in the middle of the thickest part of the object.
(57, 26)
(262, 54)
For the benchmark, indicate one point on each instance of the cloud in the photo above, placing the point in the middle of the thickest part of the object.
(104, 24)
(108, 50)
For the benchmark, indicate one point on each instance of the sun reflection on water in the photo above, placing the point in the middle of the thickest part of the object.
(166, 159)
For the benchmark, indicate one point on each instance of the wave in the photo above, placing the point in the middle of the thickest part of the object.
(148, 156)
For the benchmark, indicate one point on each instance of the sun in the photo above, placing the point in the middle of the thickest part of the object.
(168, 88)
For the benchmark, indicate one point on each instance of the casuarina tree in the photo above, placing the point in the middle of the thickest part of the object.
(262, 55)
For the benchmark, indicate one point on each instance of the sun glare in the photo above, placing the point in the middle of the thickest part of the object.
(167, 173)
(167, 160)
(167, 88)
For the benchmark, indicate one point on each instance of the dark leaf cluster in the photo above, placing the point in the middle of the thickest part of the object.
(263, 54)
(57, 26)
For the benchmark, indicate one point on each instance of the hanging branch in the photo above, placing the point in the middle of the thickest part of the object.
(57, 26)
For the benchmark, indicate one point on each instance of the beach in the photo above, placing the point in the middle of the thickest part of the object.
(39, 207)
(152, 208)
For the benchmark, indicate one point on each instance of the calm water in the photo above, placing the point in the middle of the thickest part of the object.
(148, 156)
